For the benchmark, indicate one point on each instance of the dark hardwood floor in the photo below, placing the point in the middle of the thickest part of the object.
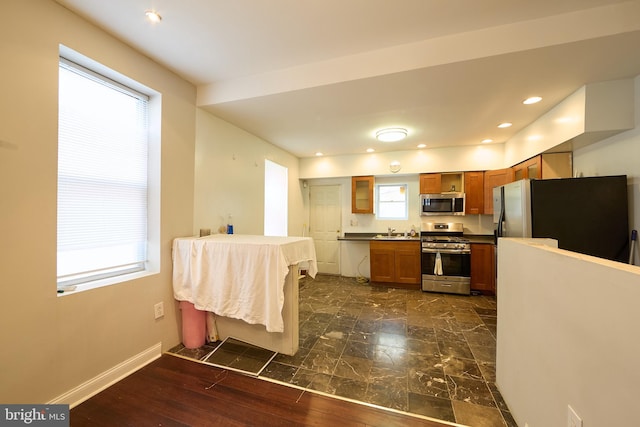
(176, 392)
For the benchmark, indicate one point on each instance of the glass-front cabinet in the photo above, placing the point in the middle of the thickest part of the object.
(362, 194)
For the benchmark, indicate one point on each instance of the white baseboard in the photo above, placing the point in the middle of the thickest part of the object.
(84, 391)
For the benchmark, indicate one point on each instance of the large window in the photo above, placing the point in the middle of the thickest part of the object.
(102, 177)
(391, 200)
(275, 199)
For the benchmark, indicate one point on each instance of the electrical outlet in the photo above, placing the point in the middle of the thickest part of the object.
(573, 420)
(158, 310)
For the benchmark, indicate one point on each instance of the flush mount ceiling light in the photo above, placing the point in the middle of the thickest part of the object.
(370, 150)
(319, 154)
(487, 140)
(153, 16)
(505, 125)
(391, 134)
(421, 145)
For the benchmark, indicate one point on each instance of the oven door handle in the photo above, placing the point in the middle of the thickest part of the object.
(446, 251)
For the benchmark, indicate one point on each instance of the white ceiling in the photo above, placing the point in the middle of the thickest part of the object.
(323, 75)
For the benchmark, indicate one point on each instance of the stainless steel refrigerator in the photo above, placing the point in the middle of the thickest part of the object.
(585, 215)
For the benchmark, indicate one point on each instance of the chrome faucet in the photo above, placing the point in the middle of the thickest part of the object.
(390, 230)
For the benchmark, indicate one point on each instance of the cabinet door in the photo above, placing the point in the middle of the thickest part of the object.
(407, 263)
(557, 165)
(534, 168)
(362, 194)
(382, 263)
(531, 169)
(474, 193)
(483, 273)
(494, 179)
(430, 183)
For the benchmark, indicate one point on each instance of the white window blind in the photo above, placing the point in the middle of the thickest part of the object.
(102, 177)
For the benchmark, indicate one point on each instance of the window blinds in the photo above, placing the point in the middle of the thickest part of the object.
(102, 176)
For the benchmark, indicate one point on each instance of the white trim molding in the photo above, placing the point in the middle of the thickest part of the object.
(95, 385)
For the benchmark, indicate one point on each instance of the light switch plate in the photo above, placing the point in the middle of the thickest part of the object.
(158, 310)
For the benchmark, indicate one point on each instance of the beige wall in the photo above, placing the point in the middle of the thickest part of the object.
(567, 335)
(446, 159)
(52, 344)
(229, 178)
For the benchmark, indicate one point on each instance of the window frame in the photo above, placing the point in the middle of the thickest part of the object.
(151, 264)
(378, 201)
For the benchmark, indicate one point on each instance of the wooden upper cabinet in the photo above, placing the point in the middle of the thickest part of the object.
(556, 165)
(528, 169)
(545, 166)
(362, 194)
(474, 193)
(435, 183)
(493, 179)
(430, 183)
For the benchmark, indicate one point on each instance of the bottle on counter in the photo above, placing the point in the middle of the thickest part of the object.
(229, 225)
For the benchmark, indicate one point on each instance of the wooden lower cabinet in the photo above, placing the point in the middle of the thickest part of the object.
(395, 263)
(483, 268)
(382, 262)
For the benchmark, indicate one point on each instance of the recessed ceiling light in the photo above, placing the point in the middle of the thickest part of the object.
(391, 134)
(422, 145)
(532, 100)
(318, 154)
(370, 150)
(487, 140)
(505, 125)
(153, 16)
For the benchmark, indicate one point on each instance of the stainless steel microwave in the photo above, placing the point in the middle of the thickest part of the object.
(442, 204)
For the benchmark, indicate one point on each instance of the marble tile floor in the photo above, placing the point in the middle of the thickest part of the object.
(417, 352)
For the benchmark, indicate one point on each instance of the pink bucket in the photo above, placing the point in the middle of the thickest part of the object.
(194, 325)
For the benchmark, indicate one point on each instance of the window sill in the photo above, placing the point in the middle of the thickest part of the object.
(106, 282)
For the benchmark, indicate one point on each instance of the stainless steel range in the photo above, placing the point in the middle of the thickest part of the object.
(446, 258)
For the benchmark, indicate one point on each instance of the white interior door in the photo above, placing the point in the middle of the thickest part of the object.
(325, 225)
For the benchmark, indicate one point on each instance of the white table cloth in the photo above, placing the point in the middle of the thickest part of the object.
(239, 276)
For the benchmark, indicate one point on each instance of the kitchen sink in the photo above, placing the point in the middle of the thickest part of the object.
(393, 237)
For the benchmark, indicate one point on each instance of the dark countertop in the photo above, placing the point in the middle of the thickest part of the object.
(360, 237)
(481, 238)
(365, 237)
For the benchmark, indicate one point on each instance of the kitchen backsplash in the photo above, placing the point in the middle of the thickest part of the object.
(473, 224)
